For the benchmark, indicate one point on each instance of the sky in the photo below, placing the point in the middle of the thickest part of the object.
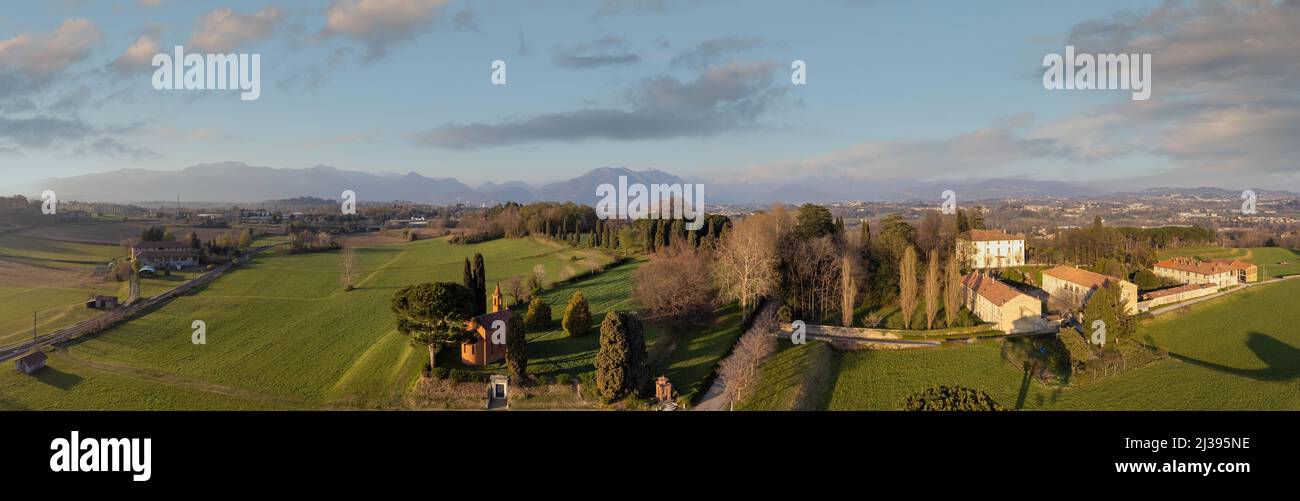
(926, 90)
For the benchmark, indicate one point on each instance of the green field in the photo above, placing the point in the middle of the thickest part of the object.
(1269, 259)
(1241, 351)
(281, 330)
(52, 252)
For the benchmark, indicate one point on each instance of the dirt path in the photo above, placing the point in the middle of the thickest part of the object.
(178, 381)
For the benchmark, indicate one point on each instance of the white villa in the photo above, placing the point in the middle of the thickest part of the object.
(983, 249)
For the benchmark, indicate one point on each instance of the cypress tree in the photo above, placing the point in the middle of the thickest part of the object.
(480, 284)
(621, 366)
(612, 358)
(638, 372)
(516, 350)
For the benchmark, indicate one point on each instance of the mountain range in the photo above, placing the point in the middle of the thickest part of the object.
(235, 182)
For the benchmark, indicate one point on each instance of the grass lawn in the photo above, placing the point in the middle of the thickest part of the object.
(784, 375)
(281, 328)
(68, 385)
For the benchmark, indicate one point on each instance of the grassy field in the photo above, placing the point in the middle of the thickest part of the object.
(51, 278)
(785, 375)
(281, 331)
(1269, 259)
(552, 352)
(1237, 352)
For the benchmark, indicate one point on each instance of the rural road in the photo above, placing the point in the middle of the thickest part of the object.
(1176, 306)
(122, 314)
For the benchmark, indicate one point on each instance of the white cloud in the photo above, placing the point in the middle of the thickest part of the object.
(381, 24)
(224, 29)
(138, 55)
(45, 53)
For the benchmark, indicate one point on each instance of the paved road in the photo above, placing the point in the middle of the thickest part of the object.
(715, 398)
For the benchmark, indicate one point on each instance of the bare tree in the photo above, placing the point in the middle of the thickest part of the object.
(349, 268)
(932, 290)
(813, 268)
(907, 286)
(517, 291)
(747, 257)
(672, 287)
(952, 291)
(740, 371)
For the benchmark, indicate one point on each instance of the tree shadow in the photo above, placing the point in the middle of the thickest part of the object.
(1024, 386)
(57, 378)
(1282, 360)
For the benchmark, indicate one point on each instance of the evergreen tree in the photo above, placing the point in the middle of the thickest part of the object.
(516, 350)
(480, 284)
(539, 314)
(577, 316)
(621, 360)
(469, 282)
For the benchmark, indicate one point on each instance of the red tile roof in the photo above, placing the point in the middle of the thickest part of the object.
(1080, 276)
(1176, 290)
(990, 288)
(988, 236)
(1190, 265)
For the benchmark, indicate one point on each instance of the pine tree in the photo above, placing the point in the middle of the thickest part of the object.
(866, 234)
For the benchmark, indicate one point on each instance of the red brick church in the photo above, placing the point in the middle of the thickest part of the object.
(479, 350)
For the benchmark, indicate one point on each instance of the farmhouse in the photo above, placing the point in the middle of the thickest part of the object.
(31, 362)
(171, 255)
(1175, 295)
(102, 302)
(1191, 271)
(1246, 272)
(256, 216)
(983, 249)
(1010, 310)
(478, 349)
(1073, 286)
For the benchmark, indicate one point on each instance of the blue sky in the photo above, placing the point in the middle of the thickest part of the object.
(943, 89)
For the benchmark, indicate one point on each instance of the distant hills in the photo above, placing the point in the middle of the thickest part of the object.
(234, 182)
